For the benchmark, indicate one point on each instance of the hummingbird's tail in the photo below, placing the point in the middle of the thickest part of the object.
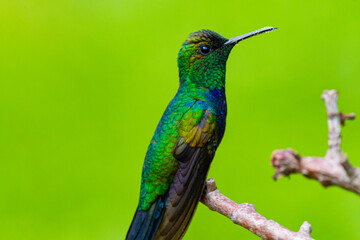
(146, 223)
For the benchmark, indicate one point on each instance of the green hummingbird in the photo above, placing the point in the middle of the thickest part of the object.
(184, 144)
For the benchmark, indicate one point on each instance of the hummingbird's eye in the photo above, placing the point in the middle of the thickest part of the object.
(205, 50)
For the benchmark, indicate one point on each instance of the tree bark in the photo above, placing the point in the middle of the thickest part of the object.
(246, 216)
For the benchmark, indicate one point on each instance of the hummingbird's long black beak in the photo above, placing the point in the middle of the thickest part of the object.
(237, 39)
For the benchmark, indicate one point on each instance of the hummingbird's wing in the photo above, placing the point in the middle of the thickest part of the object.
(194, 152)
(195, 142)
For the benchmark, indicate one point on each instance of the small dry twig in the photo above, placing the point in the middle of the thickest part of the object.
(332, 170)
(246, 216)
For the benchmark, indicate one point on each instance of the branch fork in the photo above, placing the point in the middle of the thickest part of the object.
(332, 170)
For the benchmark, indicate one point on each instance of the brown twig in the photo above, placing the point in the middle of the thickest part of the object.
(246, 216)
(332, 170)
(344, 117)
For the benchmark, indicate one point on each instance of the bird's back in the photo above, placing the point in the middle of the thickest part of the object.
(176, 166)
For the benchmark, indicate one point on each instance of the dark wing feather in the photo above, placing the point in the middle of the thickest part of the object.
(194, 152)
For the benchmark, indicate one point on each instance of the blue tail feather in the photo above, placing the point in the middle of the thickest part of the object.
(146, 223)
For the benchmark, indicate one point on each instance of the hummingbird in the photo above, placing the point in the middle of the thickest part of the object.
(185, 140)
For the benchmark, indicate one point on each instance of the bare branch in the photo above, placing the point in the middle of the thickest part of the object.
(334, 168)
(246, 216)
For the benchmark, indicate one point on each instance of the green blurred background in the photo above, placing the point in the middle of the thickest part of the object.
(84, 83)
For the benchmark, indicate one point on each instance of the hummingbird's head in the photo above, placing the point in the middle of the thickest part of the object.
(202, 58)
